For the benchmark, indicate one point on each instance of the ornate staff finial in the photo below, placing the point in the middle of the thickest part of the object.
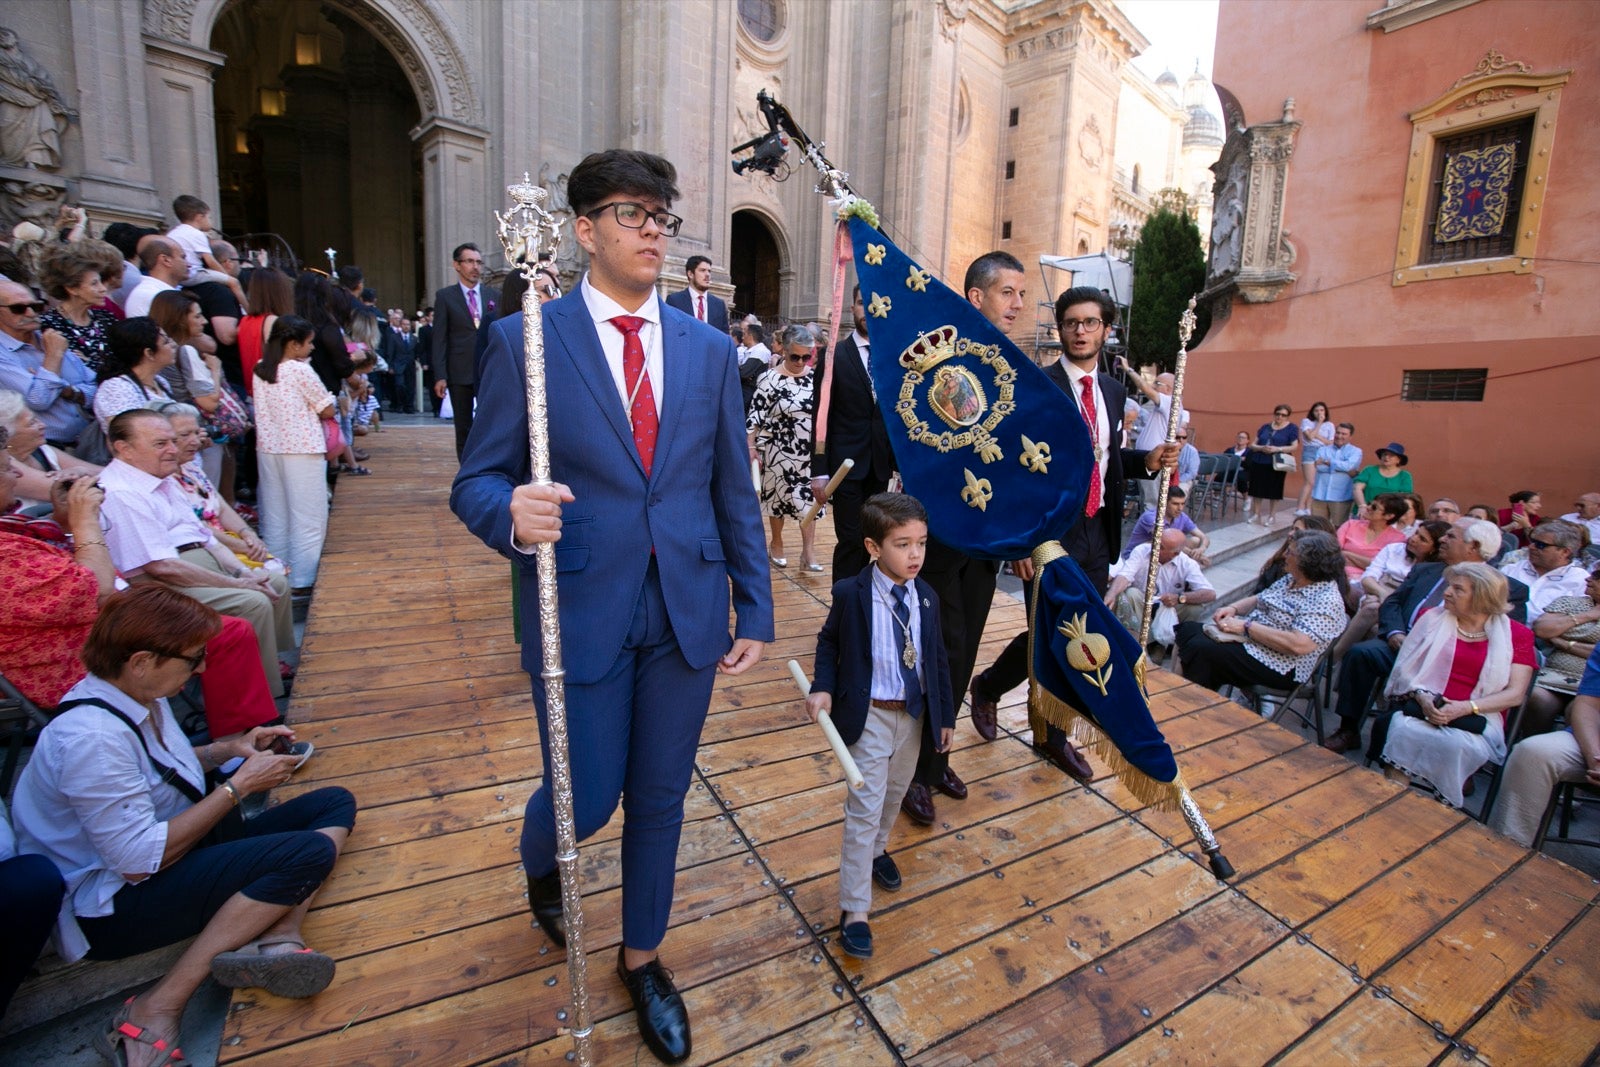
(527, 231)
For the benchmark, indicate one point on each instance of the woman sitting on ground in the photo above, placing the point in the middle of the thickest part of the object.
(37, 463)
(1360, 539)
(53, 577)
(1461, 668)
(1571, 625)
(117, 799)
(1274, 638)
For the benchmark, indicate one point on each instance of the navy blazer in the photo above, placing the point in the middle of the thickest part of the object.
(697, 509)
(844, 656)
(855, 425)
(716, 310)
(1395, 614)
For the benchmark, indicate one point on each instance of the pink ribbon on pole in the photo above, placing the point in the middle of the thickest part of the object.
(843, 254)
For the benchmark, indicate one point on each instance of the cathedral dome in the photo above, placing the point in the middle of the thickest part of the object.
(1168, 82)
(1202, 128)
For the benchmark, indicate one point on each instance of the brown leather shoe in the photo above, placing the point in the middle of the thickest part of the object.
(984, 714)
(952, 786)
(918, 804)
(1342, 740)
(1066, 757)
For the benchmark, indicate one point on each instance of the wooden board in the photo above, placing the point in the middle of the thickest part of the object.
(1040, 921)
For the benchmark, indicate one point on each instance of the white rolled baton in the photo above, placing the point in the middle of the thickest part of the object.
(852, 773)
(833, 483)
(755, 474)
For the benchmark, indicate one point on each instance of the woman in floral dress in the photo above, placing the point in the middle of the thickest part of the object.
(779, 425)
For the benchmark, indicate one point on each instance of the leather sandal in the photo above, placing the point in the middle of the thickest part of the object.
(111, 1043)
(301, 973)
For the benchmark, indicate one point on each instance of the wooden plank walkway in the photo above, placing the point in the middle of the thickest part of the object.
(1040, 921)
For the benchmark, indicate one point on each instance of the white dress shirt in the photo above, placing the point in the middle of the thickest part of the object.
(602, 309)
(1102, 422)
(146, 518)
(1592, 525)
(888, 640)
(1543, 588)
(1180, 574)
(92, 803)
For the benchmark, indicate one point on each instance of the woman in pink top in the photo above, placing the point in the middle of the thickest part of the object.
(291, 403)
(1360, 539)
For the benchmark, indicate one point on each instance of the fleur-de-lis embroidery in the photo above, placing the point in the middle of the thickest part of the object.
(880, 306)
(875, 254)
(918, 280)
(1035, 457)
(978, 492)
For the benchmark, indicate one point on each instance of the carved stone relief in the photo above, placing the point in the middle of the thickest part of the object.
(33, 115)
(1091, 146)
(1250, 249)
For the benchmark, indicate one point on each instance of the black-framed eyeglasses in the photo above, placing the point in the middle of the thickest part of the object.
(193, 661)
(1086, 325)
(632, 214)
(34, 306)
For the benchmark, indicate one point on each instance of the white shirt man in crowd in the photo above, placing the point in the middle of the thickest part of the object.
(1180, 584)
(1587, 515)
(1549, 570)
(164, 269)
(152, 535)
(1153, 434)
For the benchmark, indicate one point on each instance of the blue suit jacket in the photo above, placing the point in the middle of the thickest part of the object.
(844, 657)
(716, 310)
(698, 507)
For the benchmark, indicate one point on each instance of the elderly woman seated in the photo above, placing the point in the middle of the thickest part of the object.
(1275, 637)
(1461, 668)
(1571, 625)
(54, 576)
(117, 799)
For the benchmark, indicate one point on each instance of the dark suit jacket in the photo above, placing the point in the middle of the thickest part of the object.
(855, 426)
(697, 509)
(844, 657)
(1121, 461)
(716, 310)
(1395, 614)
(455, 338)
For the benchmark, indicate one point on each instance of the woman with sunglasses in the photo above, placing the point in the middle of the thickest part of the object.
(119, 800)
(779, 426)
(1275, 438)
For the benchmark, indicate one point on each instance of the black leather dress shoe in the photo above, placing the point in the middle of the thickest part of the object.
(952, 786)
(985, 714)
(1066, 757)
(663, 1020)
(855, 939)
(886, 872)
(544, 898)
(918, 804)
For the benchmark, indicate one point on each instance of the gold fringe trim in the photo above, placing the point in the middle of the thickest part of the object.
(1163, 796)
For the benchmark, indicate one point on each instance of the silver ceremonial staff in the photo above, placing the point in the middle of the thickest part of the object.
(526, 231)
(1191, 811)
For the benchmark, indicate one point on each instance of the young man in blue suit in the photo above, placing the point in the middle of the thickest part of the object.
(654, 514)
(697, 299)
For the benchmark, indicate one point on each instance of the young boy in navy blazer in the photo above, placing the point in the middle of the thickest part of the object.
(882, 675)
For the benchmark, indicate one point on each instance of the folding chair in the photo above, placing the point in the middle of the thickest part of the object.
(1273, 704)
(1513, 735)
(1228, 474)
(1562, 798)
(1206, 492)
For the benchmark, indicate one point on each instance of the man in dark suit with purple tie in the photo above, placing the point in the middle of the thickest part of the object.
(655, 518)
(459, 311)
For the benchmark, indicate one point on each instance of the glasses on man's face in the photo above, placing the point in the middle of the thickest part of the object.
(1534, 542)
(35, 306)
(1086, 325)
(633, 216)
(1183, 437)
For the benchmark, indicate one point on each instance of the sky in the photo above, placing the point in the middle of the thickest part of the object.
(1180, 31)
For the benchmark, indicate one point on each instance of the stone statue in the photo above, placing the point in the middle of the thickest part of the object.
(33, 115)
(1227, 227)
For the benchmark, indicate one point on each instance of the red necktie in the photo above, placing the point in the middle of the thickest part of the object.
(643, 411)
(700, 306)
(472, 305)
(1090, 415)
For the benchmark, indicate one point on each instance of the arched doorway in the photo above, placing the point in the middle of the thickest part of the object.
(313, 121)
(755, 265)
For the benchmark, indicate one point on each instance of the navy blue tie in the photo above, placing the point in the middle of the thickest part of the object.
(908, 675)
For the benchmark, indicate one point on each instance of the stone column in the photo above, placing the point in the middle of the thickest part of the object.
(182, 130)
(922, 97)
(455, 204)
(117, 183)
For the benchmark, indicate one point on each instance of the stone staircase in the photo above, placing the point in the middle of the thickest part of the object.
(1238, 551)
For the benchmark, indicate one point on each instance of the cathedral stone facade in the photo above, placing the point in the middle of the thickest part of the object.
(386, 131)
